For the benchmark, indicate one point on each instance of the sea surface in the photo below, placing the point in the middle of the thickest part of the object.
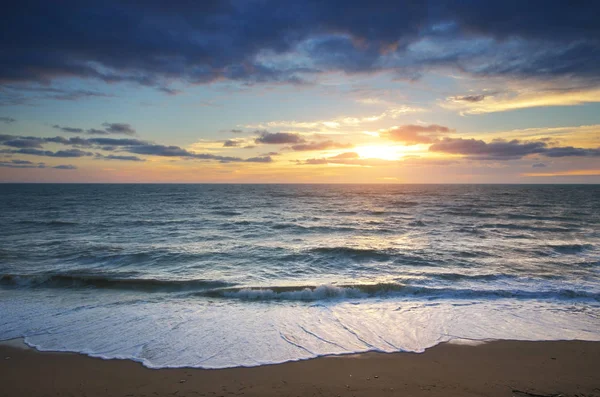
(220, 276)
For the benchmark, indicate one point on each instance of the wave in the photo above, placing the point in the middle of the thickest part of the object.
(571, 248)
(354, 253)
(524, 227)
(386, 290)
(470, 213)
(311, 229)
(55, 222)
(404, 203)
(471, 277)
(227, 213)
(107, 282)
(538, 217)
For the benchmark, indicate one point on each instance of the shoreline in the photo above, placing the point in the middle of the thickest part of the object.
(494, 368)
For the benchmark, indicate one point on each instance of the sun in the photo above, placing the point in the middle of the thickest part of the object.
(379, 152)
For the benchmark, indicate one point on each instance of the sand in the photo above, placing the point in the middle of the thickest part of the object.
(500, 368)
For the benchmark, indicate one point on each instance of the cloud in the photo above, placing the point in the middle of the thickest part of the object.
(7, 120)
(236, 131)
(29, 164)
(279, 138)
(315, 161)
(324, 145)
(60, 153)
(122, 158)
(538, 165)
(499, 149)
(65, 167)
(70, 130)
(469, 98)
(570, 151)
(31, 141)
(110, 128)
(532, 95)
(415, 134)
(20, 164)
(565, 173)
(119, 128)
(25, 142)
(264, 159)
(347, 155)
(26, 93)
(151, 43)
(176, 151)
(160, 150)
(113, 141)
(392, 112)
(348, 158)
(32, 146)
(232, 143)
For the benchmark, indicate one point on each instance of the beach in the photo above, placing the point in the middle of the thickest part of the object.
(498, 368)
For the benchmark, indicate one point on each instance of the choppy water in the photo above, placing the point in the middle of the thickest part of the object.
(230, 275)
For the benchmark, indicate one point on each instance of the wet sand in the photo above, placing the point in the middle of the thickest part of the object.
(500, 368)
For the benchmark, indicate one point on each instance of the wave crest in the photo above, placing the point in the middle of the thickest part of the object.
(107, 282)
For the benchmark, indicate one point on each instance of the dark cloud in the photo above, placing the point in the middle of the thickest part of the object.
(153, 42)
(470, 98)
(538, 165)
(236, 131)
(415, 134)
(32, 146)
(176, 151)
(70, 130)
(95, 131)
(21, 164)
(122, 158)
(16, 161)
(279, 138)
(49, 153)
(160, 150)
(65, 167)
(25, 142)
(264, 159)
(232, 143)
(109, 128)
(321, 146)
(7, 120)
(29, 164)
(506, 150)
(116, 141)
(31, 141)
(119, 128)
(495, 150)
(26, 93)
(570, 151)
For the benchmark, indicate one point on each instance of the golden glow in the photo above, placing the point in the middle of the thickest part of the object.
(384, 152)
(522, 100)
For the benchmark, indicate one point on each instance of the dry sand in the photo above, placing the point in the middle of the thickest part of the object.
(502, 368)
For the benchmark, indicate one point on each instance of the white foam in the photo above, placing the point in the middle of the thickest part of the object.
(198, 332)
(307, 294)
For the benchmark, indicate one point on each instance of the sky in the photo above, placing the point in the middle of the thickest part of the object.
(300, 91)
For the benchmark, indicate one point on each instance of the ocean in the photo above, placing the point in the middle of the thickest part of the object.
(217, 276)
